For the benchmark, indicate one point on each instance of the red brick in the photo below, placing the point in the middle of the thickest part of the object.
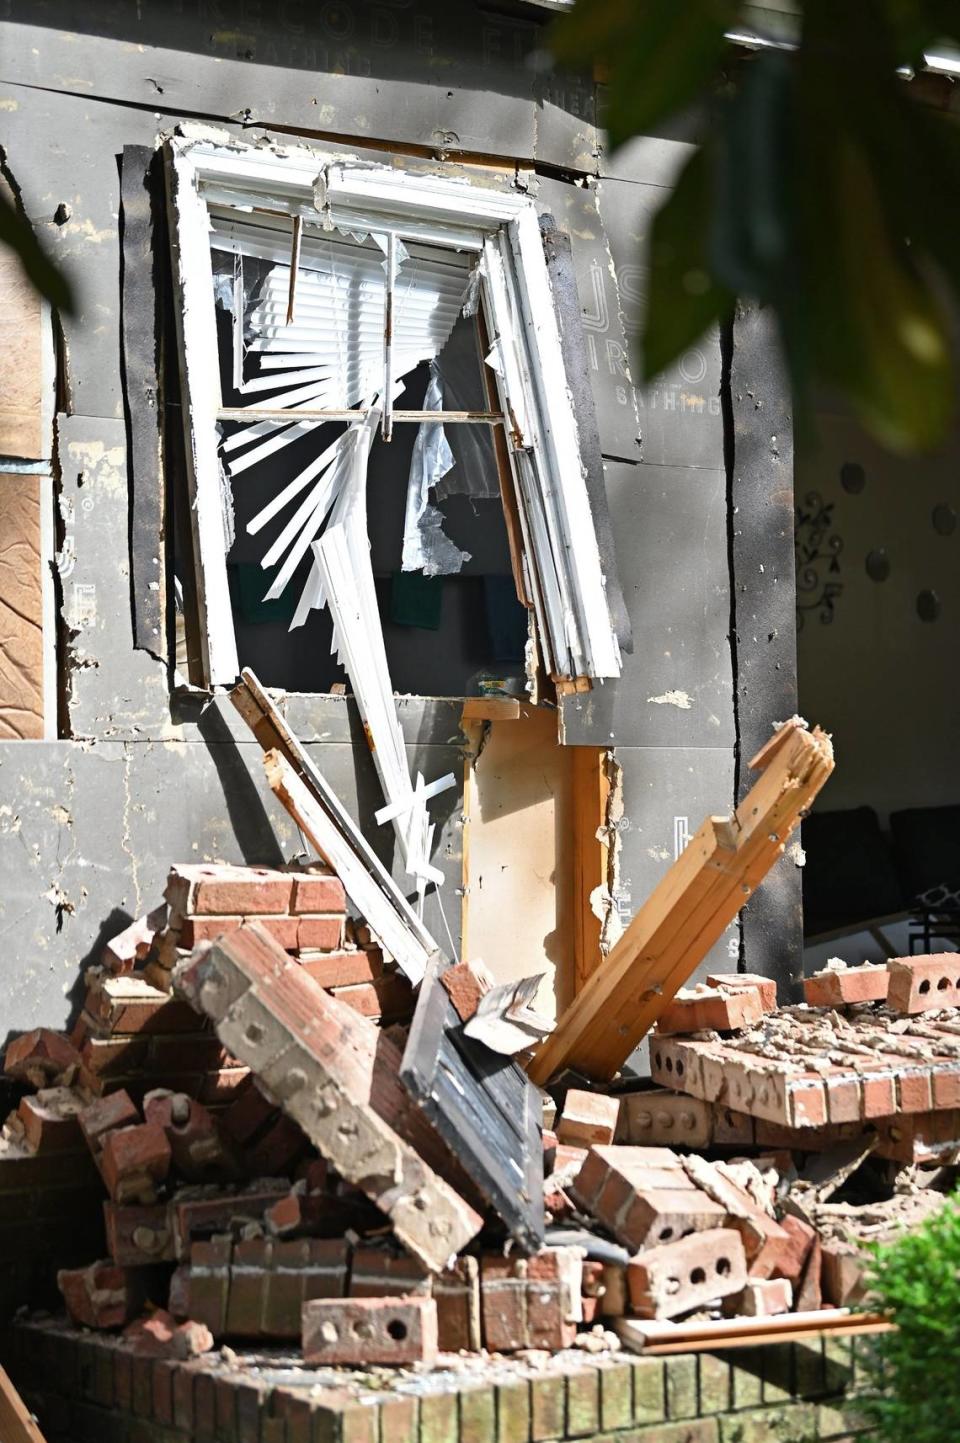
(914, 1089)
(323, 933)
(248, 1114)
(283, 929)
(101, 1295)
(198, 1150)
(807, 1297)
(592, 1291)
(764, 1241)
(133, 1160)
(127, 1005)
(731, 981)
(277, 1150)
(919, 984)
(51, 1120)
(456, 1292)
(466, 982)
(710, 1009)
(641, 1203)
(375, 1273)
(587, 1117)
(946, 1086)
(846, 986)
(317, 892)
(343, 968)
(808, 1101)
(761, 1298)
(878, 1089)
(139, 1236)
(531, 1302)
(677, 1277)
(216, 889)
(792, 1259)
(198, 1216)
(389, 997)
(159, 1335)
(843, 1272)
(41, 1058)
(844, 1103)
(367, 1331)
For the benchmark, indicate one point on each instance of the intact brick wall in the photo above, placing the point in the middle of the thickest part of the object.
(87, 1389)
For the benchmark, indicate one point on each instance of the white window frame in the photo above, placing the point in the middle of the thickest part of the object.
(562, 562)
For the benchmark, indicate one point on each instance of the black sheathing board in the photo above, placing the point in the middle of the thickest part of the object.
(142, 258)
(484, 1108)
(566, 302)
(763, 614)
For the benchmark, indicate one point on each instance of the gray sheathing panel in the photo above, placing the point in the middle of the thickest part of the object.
(439, 75)
(680, 423)
(87, 833)
(667, 792)
(574, 208)
(764, 610)
(676, 689)
(112, 689)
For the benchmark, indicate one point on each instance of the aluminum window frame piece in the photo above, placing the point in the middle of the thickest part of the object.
(501, 228)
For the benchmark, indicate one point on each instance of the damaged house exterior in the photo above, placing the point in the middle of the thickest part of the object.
(334, 527)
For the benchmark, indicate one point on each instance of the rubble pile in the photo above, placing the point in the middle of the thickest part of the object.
(241, 1078)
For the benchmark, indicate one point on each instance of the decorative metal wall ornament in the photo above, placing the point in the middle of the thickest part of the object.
(818, 549)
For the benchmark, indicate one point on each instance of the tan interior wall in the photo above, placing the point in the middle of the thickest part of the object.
(21, 607)
(520, 904)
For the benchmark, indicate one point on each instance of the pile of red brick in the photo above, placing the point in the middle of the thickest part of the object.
(265, 1176)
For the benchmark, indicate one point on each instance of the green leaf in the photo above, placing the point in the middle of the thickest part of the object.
(683, 297)
(662, 55)
(17, 233)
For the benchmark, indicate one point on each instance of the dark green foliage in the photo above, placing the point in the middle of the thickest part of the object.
(822, 187)
(911, 1389)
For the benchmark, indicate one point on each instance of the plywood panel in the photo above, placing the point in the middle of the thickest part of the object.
(520, 902)
(26, 362)
(21, 607)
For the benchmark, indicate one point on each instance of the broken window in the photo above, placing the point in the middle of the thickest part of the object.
(318, 293)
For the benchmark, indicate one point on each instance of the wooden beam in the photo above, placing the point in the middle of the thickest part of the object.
(591, 852)
(687, 912)
(16, 1421)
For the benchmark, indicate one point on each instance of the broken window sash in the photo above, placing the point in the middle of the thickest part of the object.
(426, 547)
(252, 194)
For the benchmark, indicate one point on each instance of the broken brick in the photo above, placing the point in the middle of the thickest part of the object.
(731, 981)
(139, 1235)
(160, 1336)
(386, 1331)
(466, 983)
(102, 1295)
(133, 1160)
(197, 1147)
(761, 1298)
(587, 1117)
(50, 1120)
(456, 1292)
(106, 1114)
(792, 1258)
(122, 953)
(643, 1197)
(41, 1058)
(680, 1276)
(704, 1009)
(846, 986)
(531, 1302)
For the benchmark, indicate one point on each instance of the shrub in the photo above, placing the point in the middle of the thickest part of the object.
(911, 1377)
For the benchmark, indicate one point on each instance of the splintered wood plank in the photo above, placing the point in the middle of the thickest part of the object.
(483, 1106)
(687, 912)
(337, 1076)
(591, 795)
(16, 1422)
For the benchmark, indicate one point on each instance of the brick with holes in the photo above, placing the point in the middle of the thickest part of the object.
(642, 1198)
(359, 1331)
(200, 1152)
(678, 1277)
(138, 1236)
(920, 984)
(661, 1117)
